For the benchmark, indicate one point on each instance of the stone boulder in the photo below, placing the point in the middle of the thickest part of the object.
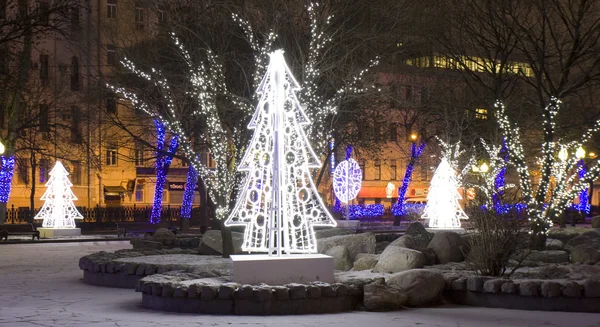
(447, 247)
(356, 243)
(144, 244)
(395, 259)
(381, 297)
(163, 234)
(554, 244)
(586, 253)
(212, 242)
(419, 234)
(341, 257)
(365, 261)
(596, 222)
(590, 237)
(548, 256)
(423, 287)
(329, 232)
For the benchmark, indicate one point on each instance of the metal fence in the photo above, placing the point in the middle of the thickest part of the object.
(101, 215)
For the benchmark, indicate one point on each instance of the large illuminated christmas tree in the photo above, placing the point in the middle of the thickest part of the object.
(59, 210)
(443, 209)
(278, 201)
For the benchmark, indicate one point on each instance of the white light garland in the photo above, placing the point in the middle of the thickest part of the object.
(59, 210)
(278, 203)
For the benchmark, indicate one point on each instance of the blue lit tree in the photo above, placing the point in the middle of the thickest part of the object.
(415, 154)
(163, 162)
(188, 193)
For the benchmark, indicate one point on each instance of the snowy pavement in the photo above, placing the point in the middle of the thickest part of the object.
(40, 286)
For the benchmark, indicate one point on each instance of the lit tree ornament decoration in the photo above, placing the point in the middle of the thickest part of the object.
(278, 202)
(58, 210)
(6, 175)
(347, 180)
(415, 154)
(443, 209)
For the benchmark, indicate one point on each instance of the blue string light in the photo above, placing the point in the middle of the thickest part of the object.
(332, 155)
(188, 193)
(162, 166)
(500, 180)
(408, 209)
(6, 176)
(584, 205)
(415, 153)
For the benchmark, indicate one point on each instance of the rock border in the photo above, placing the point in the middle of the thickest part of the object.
(235, 299)
(99, 269)
(543, 295)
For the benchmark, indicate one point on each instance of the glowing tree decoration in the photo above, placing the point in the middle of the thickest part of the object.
(278, 202)
(443, 209)
(163, 161)
(6, 175)
(188, 193)
(59, 210)
(583, 205)
(347, 180)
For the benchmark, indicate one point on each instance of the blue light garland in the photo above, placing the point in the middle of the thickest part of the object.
(584, 205)
(6, 176)
(415, 153)
(188, 193)
(358, 211)
(332, 155)
(500, 180)
(407, 209)
(162, 166)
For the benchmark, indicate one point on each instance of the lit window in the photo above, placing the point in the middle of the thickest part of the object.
(111, 157)
(377, 170)
(139, 156)
(139, 193)
(481, 113)
(393, 170)
(111, 9)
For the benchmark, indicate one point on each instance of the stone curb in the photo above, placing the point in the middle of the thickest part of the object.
(551, 295)
(235, 299)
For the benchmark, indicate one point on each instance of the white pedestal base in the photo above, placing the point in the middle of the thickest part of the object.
(51, 232)
(348, 224)
(273, 270)
(459, 230)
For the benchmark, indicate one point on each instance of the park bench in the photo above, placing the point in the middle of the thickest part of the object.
(129, 228)
(19, 229)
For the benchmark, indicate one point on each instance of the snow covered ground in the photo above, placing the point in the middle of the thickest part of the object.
(40, 286)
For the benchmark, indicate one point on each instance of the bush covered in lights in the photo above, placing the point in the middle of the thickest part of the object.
(358, 211)
(408, 209)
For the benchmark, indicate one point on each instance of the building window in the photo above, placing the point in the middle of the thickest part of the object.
(44, 170)
(377, 170)
(22, 171)
(74, 18)
(111, 54)
(162, 16)
(139, 193)
(43, 117)
(424, 172)
(393, 132)
(3, 9)
(44, 12)
(44, 62)
(111, 105)
(138, 156)
(362, 168)
(111, 8)
(75, 130)
(2, 116)
(481, 113)
(207, 159)
(74, 74)
(139, 17)
(393, 170)
(111, 156)
(75, 172)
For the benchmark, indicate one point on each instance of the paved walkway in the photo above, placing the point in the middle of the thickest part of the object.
(40, 286)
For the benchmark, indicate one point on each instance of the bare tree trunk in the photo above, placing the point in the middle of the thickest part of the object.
(33, 162)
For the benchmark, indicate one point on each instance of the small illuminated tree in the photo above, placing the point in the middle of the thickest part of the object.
(59, 210)
(443, 209)
(278, 202)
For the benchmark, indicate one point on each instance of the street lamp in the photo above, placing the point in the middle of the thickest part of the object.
(2, 148)
(414, 136)
(563, 155)
(580, 153)
(484, 168)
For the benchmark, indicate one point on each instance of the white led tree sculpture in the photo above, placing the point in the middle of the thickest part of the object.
(278, 202)
(443, 209)
(59, 210)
